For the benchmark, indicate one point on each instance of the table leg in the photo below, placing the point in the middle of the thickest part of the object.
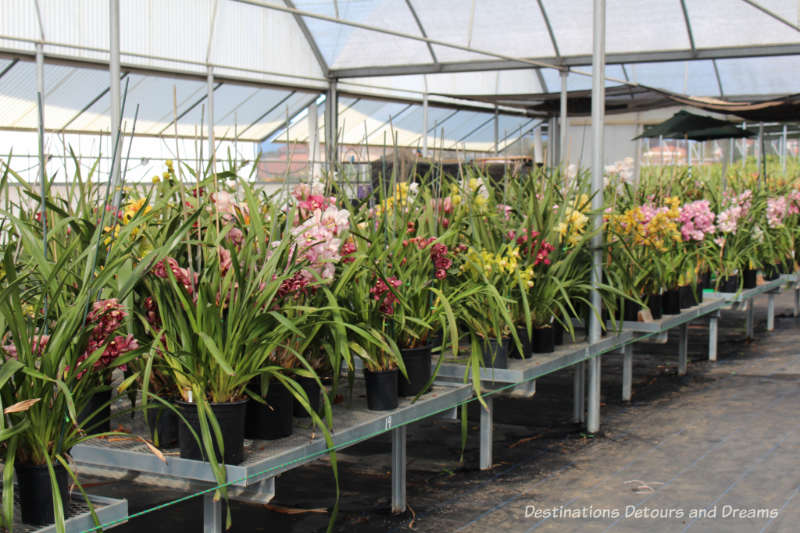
(399, 469)
(212, 514)
(771, 311)
(750, 319)
(627, 371)
(683, 350)
(713, 332)
(579, 393)
(593, 416)
(487, 429)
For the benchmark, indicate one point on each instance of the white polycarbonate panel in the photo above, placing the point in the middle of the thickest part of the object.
(717, 23)
(514, 28)
(252, 37)
(695, 78)
(760, 76)
(345, 46)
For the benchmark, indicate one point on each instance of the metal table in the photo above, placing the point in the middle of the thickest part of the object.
(77, 517)
(254, 479)
(744, 298)
(519, 379)
(657, 331)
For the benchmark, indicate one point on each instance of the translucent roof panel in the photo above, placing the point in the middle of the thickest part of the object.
(77, 100)
(514, 28)
(346, 46)
(686, 77)
(399, 123)
(762, 76)
(715, 24)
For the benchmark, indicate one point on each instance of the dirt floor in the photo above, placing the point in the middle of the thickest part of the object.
(715, 450)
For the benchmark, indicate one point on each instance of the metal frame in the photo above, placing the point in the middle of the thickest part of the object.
(107, 510)
(312, 43)
(253, 480)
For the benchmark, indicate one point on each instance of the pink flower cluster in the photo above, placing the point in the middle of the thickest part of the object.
(318, 239)
(310, 199)
(697, 220)
(381, 292)
(37, 346)
(794, 203)
(107, 316)
(296, 285)
(441, 262)
(777, 208)
(738, 208)
(185, 277)
(539, 248)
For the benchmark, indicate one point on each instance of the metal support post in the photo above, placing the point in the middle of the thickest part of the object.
(579, 393)
(627, 371)
(713, 332)
(210, 111)
(683, 350)
(496, 131)
(212, 514)
(749, 324)
(313, 143)
(783, 150)
(399, 469)
(796, 301)
(770, 311)
(331, 127)
(562, 131)
(487, 430)
(40, 90)
(425, 123)
(115, 94)
(598, 119)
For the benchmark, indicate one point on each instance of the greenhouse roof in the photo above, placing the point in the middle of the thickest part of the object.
(270, 59)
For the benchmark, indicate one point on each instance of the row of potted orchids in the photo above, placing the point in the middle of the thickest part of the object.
(224, 311)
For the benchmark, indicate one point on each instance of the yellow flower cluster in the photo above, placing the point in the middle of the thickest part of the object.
(658, 232)
(503, 264)
(574, 223)
(131, 208)
(167, 175)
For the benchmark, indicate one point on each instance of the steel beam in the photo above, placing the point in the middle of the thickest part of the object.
(750, 319)
(731, 52)
(114, 71)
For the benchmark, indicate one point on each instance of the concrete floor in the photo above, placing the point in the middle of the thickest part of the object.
(721, 443)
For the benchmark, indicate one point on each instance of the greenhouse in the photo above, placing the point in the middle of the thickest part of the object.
(394, 265)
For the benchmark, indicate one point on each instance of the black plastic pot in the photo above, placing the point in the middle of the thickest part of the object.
(163, 423)
(729, 284)
(749, 279)
(272, 420)
(230, 417)
(36, 493)
(382, 389)
(96, 416)
(771, 272)
(671, 302)
(524, 340)
(654, 304)
(311, 387)
(558, 333)
(495, 354)
(544, 339)
(705, 280)
(695, 295)
(787, 266)
(631, 311)
(685, 296)
(418, 369)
